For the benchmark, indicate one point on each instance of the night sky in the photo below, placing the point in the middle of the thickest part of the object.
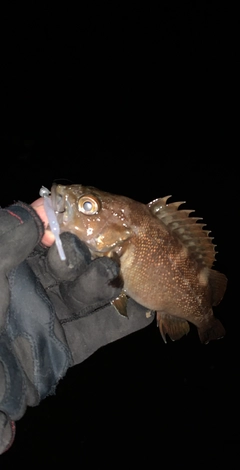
(134, 100)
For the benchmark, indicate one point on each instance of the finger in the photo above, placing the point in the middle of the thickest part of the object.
(48, 237)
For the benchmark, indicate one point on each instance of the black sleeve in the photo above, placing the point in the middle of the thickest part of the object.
(21, 229)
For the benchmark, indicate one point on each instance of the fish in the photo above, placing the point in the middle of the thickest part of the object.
(166, 255)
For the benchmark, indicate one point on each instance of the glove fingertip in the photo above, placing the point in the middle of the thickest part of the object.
(139, 314)
(77, 254)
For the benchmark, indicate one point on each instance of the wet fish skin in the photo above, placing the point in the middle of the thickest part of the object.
(166, 255)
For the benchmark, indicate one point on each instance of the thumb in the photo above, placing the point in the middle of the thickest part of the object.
(48, 237)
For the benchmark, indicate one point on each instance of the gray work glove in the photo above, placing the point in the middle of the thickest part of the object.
(53, 314)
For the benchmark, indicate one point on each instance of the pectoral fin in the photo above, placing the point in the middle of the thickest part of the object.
(173, 326)
(120, 304)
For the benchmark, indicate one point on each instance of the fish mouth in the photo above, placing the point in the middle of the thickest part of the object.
(60, 204)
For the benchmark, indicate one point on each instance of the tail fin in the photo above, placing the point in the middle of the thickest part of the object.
(211, 332)
(218, 282)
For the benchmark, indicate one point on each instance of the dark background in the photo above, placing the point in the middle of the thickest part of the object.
(138, 100)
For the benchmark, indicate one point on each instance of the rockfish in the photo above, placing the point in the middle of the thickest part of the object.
(166, 256)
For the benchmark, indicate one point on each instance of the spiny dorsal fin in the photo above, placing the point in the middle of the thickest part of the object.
(191, 233)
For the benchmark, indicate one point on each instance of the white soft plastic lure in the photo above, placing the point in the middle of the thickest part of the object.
(52, 219)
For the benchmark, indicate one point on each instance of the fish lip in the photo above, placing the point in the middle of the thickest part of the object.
(57, 199)
(59, 204)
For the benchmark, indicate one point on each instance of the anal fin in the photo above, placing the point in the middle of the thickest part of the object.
(174, 327)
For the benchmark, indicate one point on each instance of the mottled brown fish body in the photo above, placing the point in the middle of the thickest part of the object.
(166, 257)
(159, 263)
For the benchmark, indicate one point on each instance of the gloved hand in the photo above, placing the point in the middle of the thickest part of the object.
(53, 314)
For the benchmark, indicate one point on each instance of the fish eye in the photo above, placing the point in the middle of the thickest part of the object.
(88, 204)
